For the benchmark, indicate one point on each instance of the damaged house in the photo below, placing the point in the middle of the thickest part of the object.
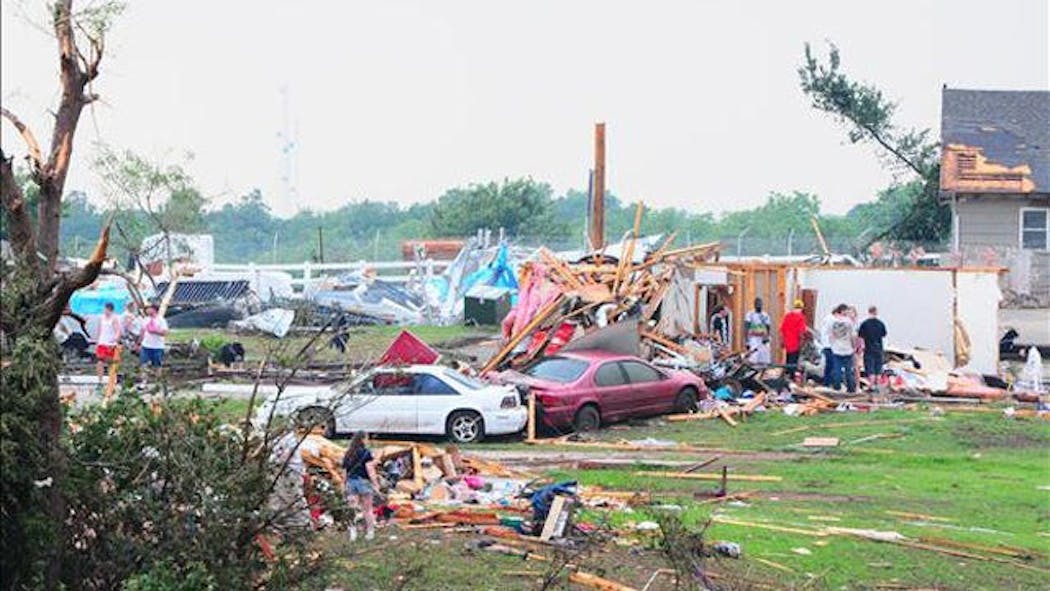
(995, 173)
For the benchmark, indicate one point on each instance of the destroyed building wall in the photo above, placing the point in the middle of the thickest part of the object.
(919, 306)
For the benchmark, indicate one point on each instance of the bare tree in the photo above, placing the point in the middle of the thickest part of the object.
(35, 292)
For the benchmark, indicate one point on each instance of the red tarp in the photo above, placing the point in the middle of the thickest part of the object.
(407, 349)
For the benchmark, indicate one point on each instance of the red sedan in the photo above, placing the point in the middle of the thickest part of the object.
(583, 389)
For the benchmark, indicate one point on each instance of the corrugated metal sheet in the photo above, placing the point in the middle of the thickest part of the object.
(198, 292)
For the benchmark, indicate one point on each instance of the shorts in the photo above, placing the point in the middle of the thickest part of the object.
(151, 357)
(358, 487)
(106, 352)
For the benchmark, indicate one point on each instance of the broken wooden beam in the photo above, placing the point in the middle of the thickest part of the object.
(709, 476)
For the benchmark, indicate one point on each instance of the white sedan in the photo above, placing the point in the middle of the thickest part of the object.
(416, 399)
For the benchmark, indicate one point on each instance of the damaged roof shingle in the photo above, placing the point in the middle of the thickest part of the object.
(995, 141)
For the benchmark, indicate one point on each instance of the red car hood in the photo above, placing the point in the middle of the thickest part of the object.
(516, 378)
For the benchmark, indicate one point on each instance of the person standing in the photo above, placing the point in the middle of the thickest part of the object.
(131, 326)
(757, 327)
(792, 329)
(151, 339)
(873, 331)
(720, 325)
(107, 346)
(361, 483)
(841, 335)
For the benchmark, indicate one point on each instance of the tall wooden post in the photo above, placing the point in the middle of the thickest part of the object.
(597, 230)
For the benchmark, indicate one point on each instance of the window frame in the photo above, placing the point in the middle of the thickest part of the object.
(660, 376)
(1021, 229)
(615, 364)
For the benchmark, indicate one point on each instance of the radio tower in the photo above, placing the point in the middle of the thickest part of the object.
(288, 145)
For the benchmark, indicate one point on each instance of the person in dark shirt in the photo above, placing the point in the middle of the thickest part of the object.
(873, 331)
(361, 482)
(720, 325)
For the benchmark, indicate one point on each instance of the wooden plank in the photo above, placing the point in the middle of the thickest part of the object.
(770, 526)
(554, 517)
(820, 442)
(595, 582)
(526, 330)
(709, 476)
(532, 418)
(725, 417)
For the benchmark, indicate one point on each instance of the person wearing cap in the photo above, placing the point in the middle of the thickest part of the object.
(792, 329)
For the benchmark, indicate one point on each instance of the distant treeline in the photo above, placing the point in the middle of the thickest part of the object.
(528, 211)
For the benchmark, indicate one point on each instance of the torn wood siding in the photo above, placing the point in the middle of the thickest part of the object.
(966, 169)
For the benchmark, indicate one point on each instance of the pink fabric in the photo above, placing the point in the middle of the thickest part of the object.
(537, 292)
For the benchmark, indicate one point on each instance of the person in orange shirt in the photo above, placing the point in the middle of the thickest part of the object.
(792, 330)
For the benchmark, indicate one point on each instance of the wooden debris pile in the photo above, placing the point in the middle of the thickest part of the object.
(598, 291)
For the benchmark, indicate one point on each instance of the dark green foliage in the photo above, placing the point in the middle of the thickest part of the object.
(521, 206)
(868, 117)
(165, 488)
(26, 471)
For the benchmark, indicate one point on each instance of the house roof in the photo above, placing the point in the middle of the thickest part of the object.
(995, 141)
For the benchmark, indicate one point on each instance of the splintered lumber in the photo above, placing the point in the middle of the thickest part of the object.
(595, 582)
(775, 565)
(820, 442)
(531, 425)
(709, 476)
(526, 330)
(770, 526)
(920, 516)
(725, 417)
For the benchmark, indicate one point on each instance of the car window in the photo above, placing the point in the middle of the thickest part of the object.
(429, 385)
(609, 375)
(558, 369)
(390, 384)
(464, 380)
(640, 373)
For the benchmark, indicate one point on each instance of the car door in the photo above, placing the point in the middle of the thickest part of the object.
(435, 398)
(650, 392)
(383, 403)
(613, 391)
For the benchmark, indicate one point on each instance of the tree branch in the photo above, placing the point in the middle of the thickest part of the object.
(82, 277)
(35, 154)
(20, 225)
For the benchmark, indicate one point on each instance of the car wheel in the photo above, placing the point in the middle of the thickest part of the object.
(685, 401)
(315, 416)
(465, 426)
(587, 419)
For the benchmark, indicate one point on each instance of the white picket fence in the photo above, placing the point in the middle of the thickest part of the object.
(304, 273)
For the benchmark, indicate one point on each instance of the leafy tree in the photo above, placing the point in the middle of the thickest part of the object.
(34, 294)
(242, 229)
(868, 116)
(148, 196)
(520, 207)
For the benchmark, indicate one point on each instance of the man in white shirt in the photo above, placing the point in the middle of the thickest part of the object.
(151, 339)
(841, 341)
(757, 325)
(107, 346)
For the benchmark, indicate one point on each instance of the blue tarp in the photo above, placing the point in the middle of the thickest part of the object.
(88, 302)
(496, 274)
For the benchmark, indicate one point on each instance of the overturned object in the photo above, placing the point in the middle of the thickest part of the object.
(275, 321)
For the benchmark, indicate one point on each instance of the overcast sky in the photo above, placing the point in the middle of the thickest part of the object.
(401, 100)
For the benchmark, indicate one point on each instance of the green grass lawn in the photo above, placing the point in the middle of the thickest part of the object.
(365, 342)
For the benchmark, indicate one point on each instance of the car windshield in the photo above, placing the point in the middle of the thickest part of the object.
(466, 381)
(558, 369)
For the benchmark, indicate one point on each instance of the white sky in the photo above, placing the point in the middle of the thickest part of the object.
(402, 100)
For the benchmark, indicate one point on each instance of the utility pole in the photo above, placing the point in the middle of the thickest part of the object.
(320, 244)
(597, 229)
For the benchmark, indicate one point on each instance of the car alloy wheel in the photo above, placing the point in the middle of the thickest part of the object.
(465, 427)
